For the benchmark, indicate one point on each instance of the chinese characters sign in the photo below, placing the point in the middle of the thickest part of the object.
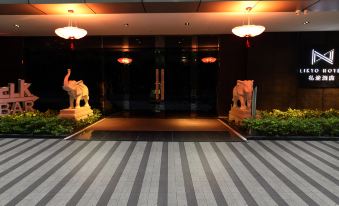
(320, 68)
(12, 101)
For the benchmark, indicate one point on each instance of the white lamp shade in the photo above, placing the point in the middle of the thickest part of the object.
(71, 32)
(248, 30)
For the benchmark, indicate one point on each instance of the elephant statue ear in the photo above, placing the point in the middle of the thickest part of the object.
(80, 82)
(78, 91)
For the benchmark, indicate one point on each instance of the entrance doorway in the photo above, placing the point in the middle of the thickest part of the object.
(181, 86)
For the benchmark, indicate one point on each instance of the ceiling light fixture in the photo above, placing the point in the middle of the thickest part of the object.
(248, 30)
(125, 60)
(208, 60)
(71, 32)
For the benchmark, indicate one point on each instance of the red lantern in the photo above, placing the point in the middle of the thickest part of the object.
(208, 60)
(125, 60)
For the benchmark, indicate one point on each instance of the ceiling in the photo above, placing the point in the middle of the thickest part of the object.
(133, 17)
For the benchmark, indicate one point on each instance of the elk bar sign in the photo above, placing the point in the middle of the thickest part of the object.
(319, 68)
(12, 101)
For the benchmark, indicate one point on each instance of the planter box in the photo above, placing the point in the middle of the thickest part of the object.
(32, 136)
(299, 138)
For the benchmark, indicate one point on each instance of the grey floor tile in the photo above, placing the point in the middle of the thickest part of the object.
(297, 171)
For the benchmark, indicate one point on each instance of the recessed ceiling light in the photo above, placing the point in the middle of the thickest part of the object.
(306, 22)
(187, 23)
(17, 25)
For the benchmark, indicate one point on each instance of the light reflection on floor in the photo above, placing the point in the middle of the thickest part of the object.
(159, 129)
(157, 124)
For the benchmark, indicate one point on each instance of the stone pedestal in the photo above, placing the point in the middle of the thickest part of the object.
(236, 114)
(76, 114)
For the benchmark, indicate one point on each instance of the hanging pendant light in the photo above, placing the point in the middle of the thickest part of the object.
(249, 30)
(71, 32)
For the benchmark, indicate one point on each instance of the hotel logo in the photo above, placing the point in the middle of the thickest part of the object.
(327, 57)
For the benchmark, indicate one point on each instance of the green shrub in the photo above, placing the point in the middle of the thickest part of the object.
(295, 123)
(296, 113)
(46, 123)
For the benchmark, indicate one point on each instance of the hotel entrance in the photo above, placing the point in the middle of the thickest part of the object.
(162, 79)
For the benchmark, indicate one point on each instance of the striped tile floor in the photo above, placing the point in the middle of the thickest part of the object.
(58, 172)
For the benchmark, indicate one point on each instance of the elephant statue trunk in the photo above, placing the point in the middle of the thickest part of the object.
(76, 90)
(65, 87)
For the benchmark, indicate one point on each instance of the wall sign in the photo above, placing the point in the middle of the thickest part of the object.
(319, 68)
(16, 102)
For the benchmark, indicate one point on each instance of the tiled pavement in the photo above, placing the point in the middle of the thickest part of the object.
(58, 172)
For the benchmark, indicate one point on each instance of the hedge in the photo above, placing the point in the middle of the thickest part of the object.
(45, 123)
(295, 122)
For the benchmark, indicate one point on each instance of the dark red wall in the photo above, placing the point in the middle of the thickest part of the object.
(11, 56)
(271, 62)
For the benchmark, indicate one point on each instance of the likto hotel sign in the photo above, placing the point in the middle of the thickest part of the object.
(319, 68)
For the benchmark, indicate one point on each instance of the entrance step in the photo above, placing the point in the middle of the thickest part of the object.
(155, 129)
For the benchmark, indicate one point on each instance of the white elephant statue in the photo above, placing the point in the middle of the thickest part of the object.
(243, 92)
(76, 90)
